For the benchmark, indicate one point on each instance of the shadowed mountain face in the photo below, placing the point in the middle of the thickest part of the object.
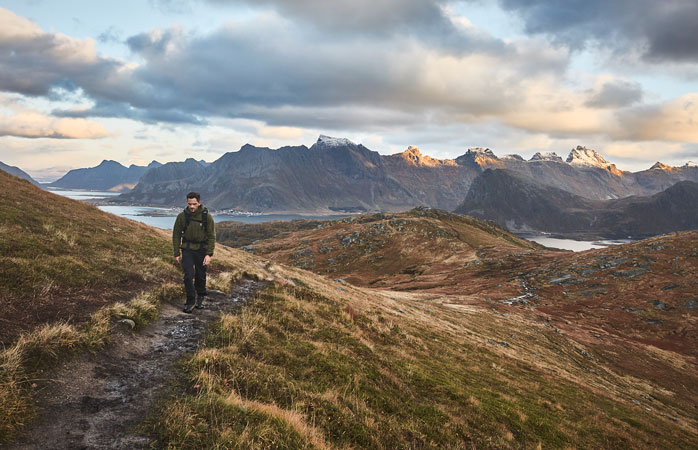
(16, 171)
(108, 176)
(338, 175)
(521, 203)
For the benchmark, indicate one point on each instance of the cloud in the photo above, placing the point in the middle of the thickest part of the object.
(283, 69)
(32, 124)
(674, 120)
(126, 111)
(615, 93)
(33, 62)
(661, 31)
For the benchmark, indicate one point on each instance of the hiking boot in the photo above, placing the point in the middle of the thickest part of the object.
(200, 303)
(189, 307)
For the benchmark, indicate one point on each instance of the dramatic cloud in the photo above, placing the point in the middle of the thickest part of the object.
(660, 30)
(386, 67)
(33, 62)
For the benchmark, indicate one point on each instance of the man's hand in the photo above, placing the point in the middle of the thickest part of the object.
(179, 259)
(207, 260)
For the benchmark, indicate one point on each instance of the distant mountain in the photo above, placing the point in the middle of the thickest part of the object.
(520, 203)
(332, 175)
(338, 175)
(108, 176)
(16, 171)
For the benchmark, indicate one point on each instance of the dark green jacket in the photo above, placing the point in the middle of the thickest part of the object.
(195, 236)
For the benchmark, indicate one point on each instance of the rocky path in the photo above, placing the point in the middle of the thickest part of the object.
(97, 401)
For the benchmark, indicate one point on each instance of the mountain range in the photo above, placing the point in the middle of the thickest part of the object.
(339, 175)
(520, 203)
(107, 176)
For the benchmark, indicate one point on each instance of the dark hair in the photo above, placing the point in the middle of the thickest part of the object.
(195, 195)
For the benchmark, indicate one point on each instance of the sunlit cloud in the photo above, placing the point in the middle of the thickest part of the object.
(32, 124)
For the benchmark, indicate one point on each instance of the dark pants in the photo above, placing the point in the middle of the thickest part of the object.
(194, 274)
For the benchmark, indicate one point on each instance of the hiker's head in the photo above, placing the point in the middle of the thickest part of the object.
(193, 201)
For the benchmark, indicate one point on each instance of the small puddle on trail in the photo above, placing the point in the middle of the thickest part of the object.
(94, 401)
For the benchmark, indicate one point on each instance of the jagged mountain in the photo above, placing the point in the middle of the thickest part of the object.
(107, 176)
(339, 175)
(521, 203)
(16, 171)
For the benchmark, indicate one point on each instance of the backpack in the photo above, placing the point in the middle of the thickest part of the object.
(187, 221)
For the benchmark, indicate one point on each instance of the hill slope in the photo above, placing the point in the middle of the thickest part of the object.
(16, 171)
(316, 363)
(60, 258)
(415, 250)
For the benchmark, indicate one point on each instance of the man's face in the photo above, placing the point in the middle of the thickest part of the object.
(193, 204)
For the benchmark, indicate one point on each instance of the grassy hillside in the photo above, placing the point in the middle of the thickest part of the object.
(68, 271)
(321, 364)
(60, 258)
(420, 249)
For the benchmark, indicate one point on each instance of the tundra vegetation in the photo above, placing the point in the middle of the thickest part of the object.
(316, 361)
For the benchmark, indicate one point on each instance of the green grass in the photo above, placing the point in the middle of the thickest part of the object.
(358, 380)
(51, 244)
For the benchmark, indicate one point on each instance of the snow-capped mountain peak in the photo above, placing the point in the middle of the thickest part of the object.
(333, 142)
(582, 156)
(480, 151)
(546, 156)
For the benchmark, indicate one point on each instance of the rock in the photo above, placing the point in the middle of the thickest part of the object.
(592, 292)
(560, 280)
(630, 310)
(654, 322)
(632, 273)
(671, 286)
(660, 305)
(691, 304)
(127, 322)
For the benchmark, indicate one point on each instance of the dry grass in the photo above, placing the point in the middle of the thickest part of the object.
(368, 369)
(39, 349)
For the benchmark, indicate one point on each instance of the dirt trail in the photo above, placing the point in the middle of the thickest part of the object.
(96, 401)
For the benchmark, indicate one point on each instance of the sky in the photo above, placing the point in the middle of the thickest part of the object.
(142, 80)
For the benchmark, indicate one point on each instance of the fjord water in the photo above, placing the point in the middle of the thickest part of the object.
(571, 244)
(161, 217)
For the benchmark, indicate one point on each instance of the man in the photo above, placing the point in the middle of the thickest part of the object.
(195, 235)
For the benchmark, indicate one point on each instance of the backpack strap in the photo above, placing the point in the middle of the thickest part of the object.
(187, 220)
(204, 219)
